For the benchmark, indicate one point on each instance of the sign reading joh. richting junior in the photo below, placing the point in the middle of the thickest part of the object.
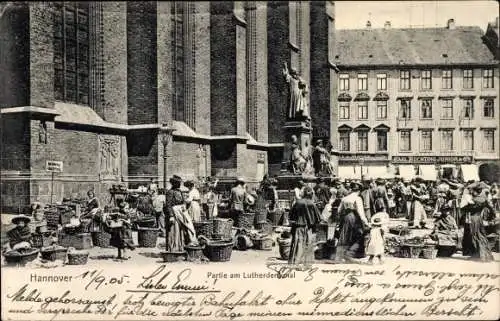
(432, 159)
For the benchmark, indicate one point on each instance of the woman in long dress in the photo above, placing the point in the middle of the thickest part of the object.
(304, 216)
(211, 200)
(352, 225)
(475, 242)
(180, 229)
(418, 215)
(193, 201)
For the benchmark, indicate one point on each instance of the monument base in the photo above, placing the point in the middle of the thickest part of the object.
(302, 130)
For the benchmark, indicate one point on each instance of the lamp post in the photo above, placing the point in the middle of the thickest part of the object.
(361, 162)
(166, 138)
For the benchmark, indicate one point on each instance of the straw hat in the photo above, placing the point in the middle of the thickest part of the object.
(21, 217)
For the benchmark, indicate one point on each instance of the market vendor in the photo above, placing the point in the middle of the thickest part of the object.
(20, 235)
(179, 226)
(445, 227)
(92, 203)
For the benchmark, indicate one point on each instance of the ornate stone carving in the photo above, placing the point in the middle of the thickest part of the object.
(110, 157)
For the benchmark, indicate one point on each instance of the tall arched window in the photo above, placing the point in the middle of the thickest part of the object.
(71, 52)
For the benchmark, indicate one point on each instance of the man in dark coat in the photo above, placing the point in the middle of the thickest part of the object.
(322, 193)
(379, 192)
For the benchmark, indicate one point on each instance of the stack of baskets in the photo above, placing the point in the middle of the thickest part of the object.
(245, 220)
(284, 246)
(51, 215)
(222, 229)
(147, 236)
(260, 216)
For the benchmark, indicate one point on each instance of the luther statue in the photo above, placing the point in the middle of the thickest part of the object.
(298, 107)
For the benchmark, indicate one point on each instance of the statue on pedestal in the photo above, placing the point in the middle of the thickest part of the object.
(300, 160)
(321, 160)
(298, 107)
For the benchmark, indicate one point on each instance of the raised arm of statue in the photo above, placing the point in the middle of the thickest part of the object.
(286, 74)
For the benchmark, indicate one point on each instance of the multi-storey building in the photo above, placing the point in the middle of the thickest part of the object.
(420, 101)
(98, 85)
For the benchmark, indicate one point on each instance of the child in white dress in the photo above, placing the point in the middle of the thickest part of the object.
(376, 242)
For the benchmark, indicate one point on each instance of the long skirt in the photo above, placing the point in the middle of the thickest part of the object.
(195, 211)
(417, 213)
(351, 238)
(302, 247)
(474, 242)
(180, 231)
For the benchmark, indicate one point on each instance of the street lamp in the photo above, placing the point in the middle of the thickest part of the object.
(361, 162)
(166, 138)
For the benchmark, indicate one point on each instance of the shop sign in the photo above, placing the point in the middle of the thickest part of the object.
(432, 159)
(357, 158)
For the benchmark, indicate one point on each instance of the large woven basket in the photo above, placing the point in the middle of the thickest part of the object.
(78, 258)
(223, 228)
(101, 239)
(194, 252)
(41, 240)
(204, 228)
(263, 243)
(429, 252)
(245, 220)
(219, 251)
(22, 258)
(54, 254)
(147, 236)
(275, 216)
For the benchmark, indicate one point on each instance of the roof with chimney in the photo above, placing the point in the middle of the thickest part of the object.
(412, 46)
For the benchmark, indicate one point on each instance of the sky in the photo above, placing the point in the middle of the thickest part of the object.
(354, 14)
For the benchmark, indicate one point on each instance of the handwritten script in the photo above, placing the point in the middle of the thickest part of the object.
(278, 291)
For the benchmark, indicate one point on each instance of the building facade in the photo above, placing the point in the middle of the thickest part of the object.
(416, 101)
(99, 85)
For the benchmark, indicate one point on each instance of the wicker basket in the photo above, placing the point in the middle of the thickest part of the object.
(223, 228)
(275, 216)
(322, 233)
(54, 254)
(78, 258)
(263, 243)
(148, 222)
(429, 252)
(66, 217)
(81, 241)
(171, 257)
(245, 220)
(147, 237)
(260, 216)
(101, 239)
(410, 251)
(194, 252)
(21, 259)
(41, 240)
(52, 217)
(284, 246)
(265, 227)
(204, 228)
(219, 251)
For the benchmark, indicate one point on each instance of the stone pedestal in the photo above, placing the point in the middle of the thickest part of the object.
(303, 131)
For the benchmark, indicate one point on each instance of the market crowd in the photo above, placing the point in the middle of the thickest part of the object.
(462, 213)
